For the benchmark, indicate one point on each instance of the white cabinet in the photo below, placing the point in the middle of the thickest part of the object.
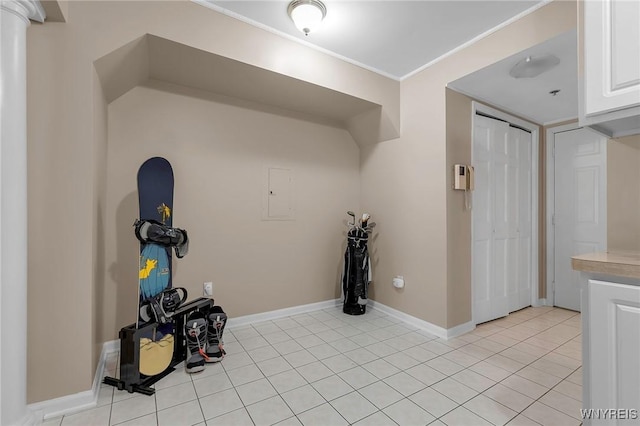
(611, 350)
(611, 74)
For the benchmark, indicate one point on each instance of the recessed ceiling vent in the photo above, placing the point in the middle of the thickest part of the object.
(533, 66)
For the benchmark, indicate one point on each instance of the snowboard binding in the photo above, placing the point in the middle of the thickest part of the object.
(152, 231)
(161, 307)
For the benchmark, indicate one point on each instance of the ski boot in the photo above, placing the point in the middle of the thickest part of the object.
(215, 345)
(195, 331)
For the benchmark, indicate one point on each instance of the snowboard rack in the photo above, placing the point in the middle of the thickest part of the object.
(131, 379)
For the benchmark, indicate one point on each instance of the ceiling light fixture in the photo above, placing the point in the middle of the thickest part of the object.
(533, 66)
(307, 15)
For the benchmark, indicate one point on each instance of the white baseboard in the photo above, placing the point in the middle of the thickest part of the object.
(235, 322)
(81, 400)
(32, 418)
(443, 333)
(460, 329)
(539, 302)
(88, 399)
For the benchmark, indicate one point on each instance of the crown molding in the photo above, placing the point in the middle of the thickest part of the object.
(239, 17)
(25, 9)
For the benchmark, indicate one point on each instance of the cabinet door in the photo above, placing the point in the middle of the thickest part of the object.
(614, 346)
(611, 55)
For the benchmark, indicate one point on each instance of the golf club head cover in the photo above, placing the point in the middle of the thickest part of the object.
(152, 231)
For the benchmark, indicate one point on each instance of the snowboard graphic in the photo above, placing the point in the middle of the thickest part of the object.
(155, 197)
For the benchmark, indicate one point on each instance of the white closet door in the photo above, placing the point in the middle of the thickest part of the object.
(580, 207)
(489, 252)
(482, 216)
(505, 172)
(525, 226)
(501, 219)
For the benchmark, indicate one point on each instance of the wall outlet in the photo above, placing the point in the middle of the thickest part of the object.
(207, 289)
(398, 281)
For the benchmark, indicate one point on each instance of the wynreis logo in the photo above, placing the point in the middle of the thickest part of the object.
(609, 413)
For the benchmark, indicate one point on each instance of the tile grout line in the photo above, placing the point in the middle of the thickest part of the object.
(515, 372)
(420, 363)
(307, 382)
(497, 382)
(287, 361)
(409, 330)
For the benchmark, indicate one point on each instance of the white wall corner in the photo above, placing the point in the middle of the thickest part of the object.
(88, 399)
(436, 330)
(29, 9)
(36, 12)
(281, 313)
(32, 418)
(460, 329)
(539, 302)
(80, 401)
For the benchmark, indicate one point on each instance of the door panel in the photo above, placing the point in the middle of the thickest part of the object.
(580, 207)
(525, 205)
(501, 219)
(482, 219)
(482, 279)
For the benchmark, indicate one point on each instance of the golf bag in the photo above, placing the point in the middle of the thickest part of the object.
(356, 275)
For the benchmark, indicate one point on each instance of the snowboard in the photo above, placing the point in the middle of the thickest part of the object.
(155, 198)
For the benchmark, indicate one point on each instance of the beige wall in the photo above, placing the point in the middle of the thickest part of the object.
(404, 181)
(99, 289)
(61, 223)
(67, 174)
(459, 147)
(55, 10)
(623, 193)
(218, 148)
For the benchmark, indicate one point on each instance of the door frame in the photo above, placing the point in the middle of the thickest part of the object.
(550, 189)
(535, 195)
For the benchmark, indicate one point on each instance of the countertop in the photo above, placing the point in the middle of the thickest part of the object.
(621, 263)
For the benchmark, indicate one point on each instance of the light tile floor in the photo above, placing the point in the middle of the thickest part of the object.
(328, 368)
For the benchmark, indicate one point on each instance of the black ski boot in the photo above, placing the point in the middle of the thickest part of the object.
(195, 331)
(215, 345)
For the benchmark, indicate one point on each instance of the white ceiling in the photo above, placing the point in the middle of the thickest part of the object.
(529, 97)
(393, 38)
(397, 38)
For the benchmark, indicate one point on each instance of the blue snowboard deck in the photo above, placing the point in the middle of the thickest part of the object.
(155, 198)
